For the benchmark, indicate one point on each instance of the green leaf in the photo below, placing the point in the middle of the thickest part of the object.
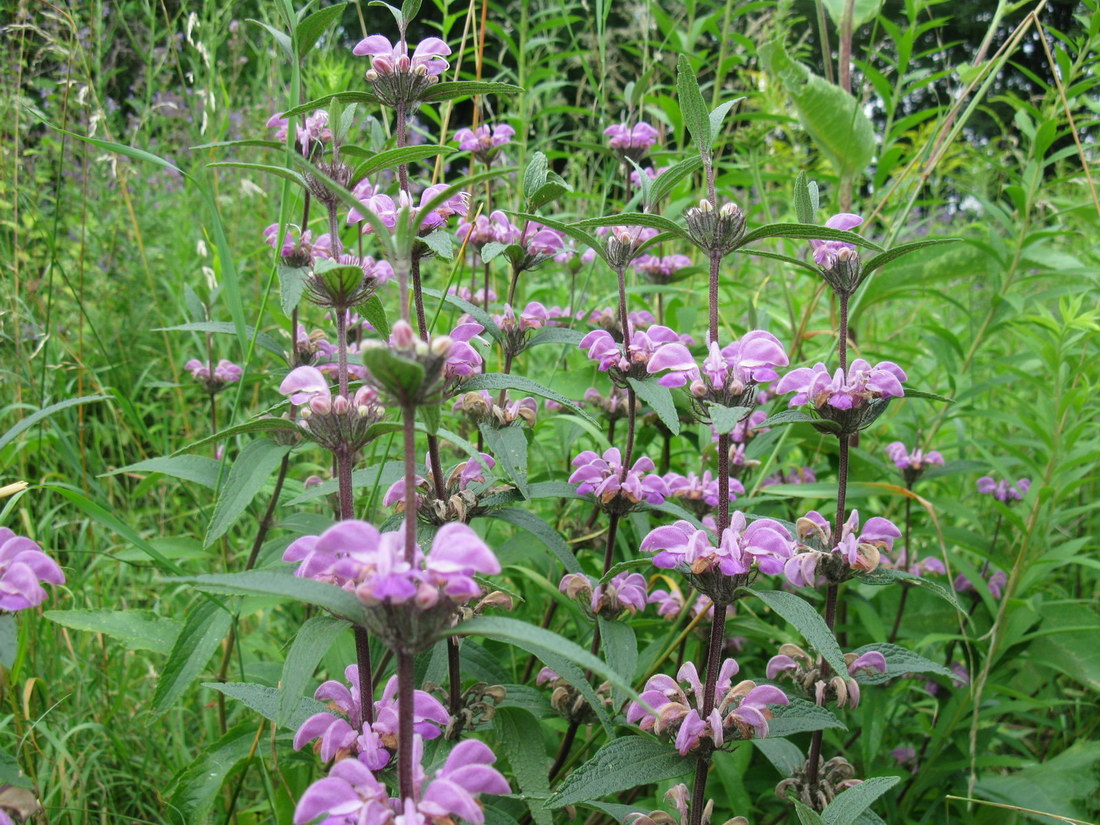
(808, 232)
(660, 399)
(775, 256)
(196, 468)
(256, 425)
(9, 638)
(620, 765)
(202, 633)
(499, 381)
(535, 175)
(911, 393)
(555, 335)
(899, 662)
(1065, 785)
(572, 230)
(862, 11)
(292, 285)
(32, 419)
(849, 804)
(311, 643)
(398, 374)
(784, 754)
(309, 31)
(283, 585)
(724, 419)
(889, 575)
(800, 716)
(509, 446)
(692, 106)
(246, 478)
(554, 188)
(440, 242)
(663, 184)
(803, 202)
(281, 38)
(789, 417)
(449, 90)
(341, 98)
(718, 116)
(393, 158)
(527, 756)
(266, 701)
(636, 219)
(196, 789)
(806, 621)
(473, 310)
(375, 312)
(892, 254)
(620, 648)
(136, 629)
(537, 526)
(277, 171)
(806, 815)
(834, 119)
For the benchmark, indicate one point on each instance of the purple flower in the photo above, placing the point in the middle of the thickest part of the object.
(699, 492)
(794, 663)
(313, 128)
(827, 252)
(729, 371)
(225, 373)
(650, 172)
(349, 794)
(1003, 490)
(855, 550)
(661, 270)
(669, 605)
(625, 592)
(915, 461)
(484, 141)
(612, 484)
(740, 712)
(994, 582)
(496, 228)
(631, 141)
(385, 209)
(841, 391)
(307, 386)
(23, 566)
(391, 58)
(763, 543)
(610, 355)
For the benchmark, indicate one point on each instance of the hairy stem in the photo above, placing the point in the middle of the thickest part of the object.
(904, 565)
(712, 328)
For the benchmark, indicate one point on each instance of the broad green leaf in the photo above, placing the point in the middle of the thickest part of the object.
(784, 754)
(724, 419)
(833, 118)
(266, 701)
(246, 477)
(516, 730)
(789, 417)
(509, 446)
(449, 90)
(620, 648)
(26, 423)
(499, 381)
(849, 804)
(1072, 652)
(9, 638)
(309, 31)
(692, 106)
(375, 312)
(806, 621)
(310, 644)
(195, 791)
(899, 661)
(1064, 785)
(202, 633)
(137, 629)
(292, 285)
(441, 243)
(196, 468)
(806, 815)
(282, 38)
(342, 98)
(620, 765)
(535, 175)
(282, 585)
(800, 716)
(889, 575)
(718, 116)
(660, 399)
(538, 527)
(392, 158)
(636, 219)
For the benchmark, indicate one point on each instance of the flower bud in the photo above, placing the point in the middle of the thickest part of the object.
(403, 336)
(441, 345)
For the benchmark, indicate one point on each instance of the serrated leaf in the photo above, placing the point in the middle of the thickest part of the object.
(527, 756)
(196, 789)
(500, 381)
(724, 419)
(282, 585)
(292, 284)
(202, 633)
(309, 31)
(310, 644)
(692, 107)
(256, 462)
(889, 575)
(664, 182)
(849, 804)
(555, 335)
(807, 232)
(660, 399)
(135, 629)
(806, 621)
(800, 716)
(24, 424)
(620, 765)
(374, 311)
(265, 701)
(196, 468)
(509, 446)
(540, 529)
(257, 425)
(440, 242)
(899, 661)
(620, 649)
(449, 90)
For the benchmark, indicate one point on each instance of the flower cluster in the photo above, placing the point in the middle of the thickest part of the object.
(851, 400)
(415, 371)
(716, 231)
(484, 142)
(332, 421)
(223, 374)
(729, 375)
(458, 502)
(617, 488)
(1004, 490)
(631, 141)
(912, 464)
(662, 269)
(633, 360)
(855, 551)
(386, 209)
(797, 665)
(350, 734)
(352, 795)
(613, 405)
(398, 78)
(741, 712)
(23, 568)
(408, 602)
(680, 798)
(839, 260)
(313, 129)
(714, 570)
(625, 592)
(482, 408)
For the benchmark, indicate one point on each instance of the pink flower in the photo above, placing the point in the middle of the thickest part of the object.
(763, 543)
(633, 140)
(861, 384)
(605, 477)
(826, 252)
(23, 566)
(391, 58)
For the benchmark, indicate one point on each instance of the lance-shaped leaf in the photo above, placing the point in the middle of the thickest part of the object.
(667, 180)
(277, 171)
(24, 424)
(194, 791)
(206, 626)
(692, 106)
(265, 701)
(806, 621)
(281, 585)
(660, 399)
(849, 804)
(527, 756)
(311, 642)
(136, 629)
(247, 477)
(620, 765)
(473, 310)
(892, 254)
(637, 219)
(196, 468)
(540, 529)
(393, 158)
(341, 98)
(808, 232)
(501, 381)
(509, 446)
(309, 30)
(449, 90)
